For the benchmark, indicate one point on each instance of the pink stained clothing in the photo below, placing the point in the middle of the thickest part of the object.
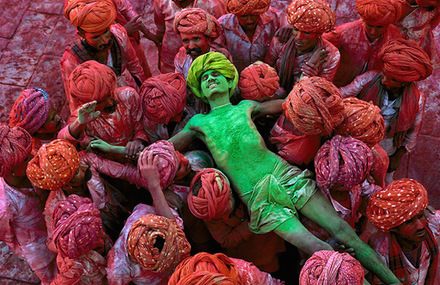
(276, 51)
(117, 128)
(164, 11)
(183, 61)
(387, 111)
(244, 51)
(23, 230)
(249, 274)
(121, 269)
(358, 54)
(418, 26)
(126, 71)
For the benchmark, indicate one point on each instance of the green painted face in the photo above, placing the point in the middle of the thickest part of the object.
(213, 82)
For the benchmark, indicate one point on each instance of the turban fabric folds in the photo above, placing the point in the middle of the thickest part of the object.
(91, 81)
(331, 267)
(77, 226)
(397, 203)
(313, 16)
(30, 110)
(259, 81)
(342, 163)
(314, 106)
(379, 12)
(142, 238)
(405, 61)
(215, 263)
(247, 7)
(206, 278)
(90, 15)
(362, 121)
(15, 147)
(210, 61)
(210, 195)
(163, 97)
(196, 20)
(54, 165)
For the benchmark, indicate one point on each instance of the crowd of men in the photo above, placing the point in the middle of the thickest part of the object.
(263, 152)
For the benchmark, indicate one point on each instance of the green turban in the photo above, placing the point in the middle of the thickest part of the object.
(210, 61)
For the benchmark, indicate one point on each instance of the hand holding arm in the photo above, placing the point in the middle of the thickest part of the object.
(106, 147)
(133, 148)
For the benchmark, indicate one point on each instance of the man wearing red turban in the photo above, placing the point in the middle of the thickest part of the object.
(360, 42)
(408, 241)
(306, 53)
(22, 226)
(395, 92)
(101, 40)
(248, 30)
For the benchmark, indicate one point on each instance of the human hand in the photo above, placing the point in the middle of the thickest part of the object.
(319, 57)
(133, 25)
(280, 93)
(133, 148)
(342, 249)
(87, 113)
(284, 34)
(173, 200)
(149, 172)
(100, 145)
(309, 69)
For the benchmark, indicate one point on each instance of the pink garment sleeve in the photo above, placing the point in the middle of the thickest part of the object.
(354, 88)
(125, 8)
(413, 133)
(64, 133)
(249, 274)
(333, 59)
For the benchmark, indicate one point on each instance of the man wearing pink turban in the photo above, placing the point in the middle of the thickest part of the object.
(408, 241)
(101, 40)
(360, 42)
(248, 30)
(22, 225)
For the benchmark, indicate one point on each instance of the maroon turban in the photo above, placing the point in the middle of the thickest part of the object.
(30, 110)
(259, 81)
(210, 195)
(247, 7)
(163, 97)
(77, 226)
(196, 20)
(342, 163)
(15, 147)
(313, 16)
(90, 15)
(397, 203)
(314, 106)
(379, 12)
(331, 267)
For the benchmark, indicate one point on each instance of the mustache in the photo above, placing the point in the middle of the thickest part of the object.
(196, 50)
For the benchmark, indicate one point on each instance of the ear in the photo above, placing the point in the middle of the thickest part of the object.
(230, 82)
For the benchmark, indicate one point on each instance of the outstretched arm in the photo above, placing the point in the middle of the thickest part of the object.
(182, 139)
(272, 107)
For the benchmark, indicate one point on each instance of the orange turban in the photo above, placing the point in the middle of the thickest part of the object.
(331, 267)
(206, 278)
(196, 20)
(215, 263)
(15, 147)
(142, 238)
(210, 195)
(91, 81)
(259, 81)
(397, 203)
(163, 97)
(90, 15)
(54, 165)
(247, 7)
(362, 121)
(379, 12)
(313, 16)
(405, 61)
(314, 106)
(77, 226)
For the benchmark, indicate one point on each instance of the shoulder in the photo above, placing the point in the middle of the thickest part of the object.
(126, 95)
(227, 21)
(119, 31)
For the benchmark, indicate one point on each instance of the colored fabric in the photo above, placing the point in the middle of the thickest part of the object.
(398, 202)
(210, 195)
(342, 163)
(331, 267)
(91, 16)
(141, 243)
(196, 20)
(210, 61)
(15, 147)
(54, 165)
(428, 3)
(91, 81)
(381, 161)
(30, 110)
(258, 81)
(314, 16)
(362, 121)
(405, 61)
(314, 106)
(379, 13)
(163, 97)
(205, 278)
(245, 7)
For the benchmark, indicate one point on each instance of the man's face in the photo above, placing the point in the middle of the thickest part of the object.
(413, 230)
(374, 32)
(391, 84)
(305, 41)
(100, 40)
(248, 22)
(52, 124)
(82, 175)
(195, 43)
(213, 82)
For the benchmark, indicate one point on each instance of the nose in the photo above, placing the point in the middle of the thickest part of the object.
(420, 224)
(191, 44)
(299, 35)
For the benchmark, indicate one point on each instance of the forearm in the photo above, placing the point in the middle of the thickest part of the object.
(160, 203)
(76, 129)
